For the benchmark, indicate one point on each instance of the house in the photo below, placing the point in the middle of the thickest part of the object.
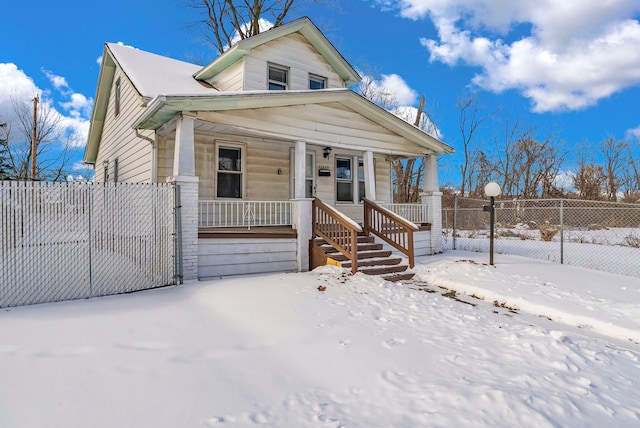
(256, 141)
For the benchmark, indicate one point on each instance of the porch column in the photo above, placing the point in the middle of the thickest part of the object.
(184, 175)
(300, 174)
(301, 208)
(432, 198)
(369, 176)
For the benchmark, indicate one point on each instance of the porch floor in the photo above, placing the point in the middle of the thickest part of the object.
(244, 232)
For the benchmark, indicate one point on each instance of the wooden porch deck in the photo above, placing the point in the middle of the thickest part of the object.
(274, 232)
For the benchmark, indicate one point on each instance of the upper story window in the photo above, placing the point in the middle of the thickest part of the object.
(278, 78)
(317, 82)
(117, 96)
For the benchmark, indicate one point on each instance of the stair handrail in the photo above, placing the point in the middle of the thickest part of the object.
(391, 228)
(337, 229)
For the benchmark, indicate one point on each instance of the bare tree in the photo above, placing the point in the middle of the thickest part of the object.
(589, 180)
(226, 21)
(613, 152)
(53, 153)
(470, 120)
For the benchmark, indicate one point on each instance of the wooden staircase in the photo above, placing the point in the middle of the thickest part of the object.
(340, 241)
(372, 259)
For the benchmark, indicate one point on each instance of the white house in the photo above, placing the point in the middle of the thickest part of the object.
(261, 142)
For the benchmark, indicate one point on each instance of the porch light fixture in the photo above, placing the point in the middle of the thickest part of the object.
(326, 152)
(491, 190)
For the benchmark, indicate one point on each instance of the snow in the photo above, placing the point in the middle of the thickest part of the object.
(522, 343)
(153, 74)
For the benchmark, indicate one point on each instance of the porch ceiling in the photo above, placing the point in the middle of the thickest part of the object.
(335, 117)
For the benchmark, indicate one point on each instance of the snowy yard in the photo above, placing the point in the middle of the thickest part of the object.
(526, 343)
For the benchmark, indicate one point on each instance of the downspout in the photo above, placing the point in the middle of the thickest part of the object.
(154, 153)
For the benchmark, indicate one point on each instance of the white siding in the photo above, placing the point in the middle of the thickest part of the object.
(330, 123)
(222, 257)
(230, 79)
(421, 244)
(294, 52)
(119, 141)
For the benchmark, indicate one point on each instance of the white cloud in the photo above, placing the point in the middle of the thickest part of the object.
(19, 88)
(391, 86)
(573, 54)
(633, 134)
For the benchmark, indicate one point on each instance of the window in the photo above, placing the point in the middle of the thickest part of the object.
(115, 170)
(345, 186)
(229, 176)
(309, 182)
(278, 77)
(344, 180)
(317, 82)
(117, 96)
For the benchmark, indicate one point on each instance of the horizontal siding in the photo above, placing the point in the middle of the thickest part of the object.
(223, 257)
(230, 79)
(292, 51)
(421, 244)
(119, 141)
(318, 124)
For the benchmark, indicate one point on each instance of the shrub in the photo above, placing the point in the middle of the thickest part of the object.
(547, 232)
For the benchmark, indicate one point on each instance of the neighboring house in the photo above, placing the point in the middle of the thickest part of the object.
(250, 139)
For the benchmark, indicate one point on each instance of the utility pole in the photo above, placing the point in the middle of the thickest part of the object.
(33, 138)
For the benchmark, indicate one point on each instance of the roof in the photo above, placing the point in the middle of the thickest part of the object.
(303, 26)
(153, 74)
(165, 107)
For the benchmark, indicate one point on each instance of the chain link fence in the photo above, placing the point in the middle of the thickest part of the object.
(592, 234)
(64, 241)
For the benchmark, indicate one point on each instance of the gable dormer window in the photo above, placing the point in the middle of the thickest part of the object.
(278, 77)
(317, 82)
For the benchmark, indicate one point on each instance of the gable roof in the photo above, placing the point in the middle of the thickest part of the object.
(303, 26)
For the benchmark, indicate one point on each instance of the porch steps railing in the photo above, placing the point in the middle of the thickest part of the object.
(217, 213)
(338, 241)
(337, 230)
(391, 228)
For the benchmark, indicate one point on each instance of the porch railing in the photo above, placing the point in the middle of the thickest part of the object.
(391, 228)
(215, 213)
(415, 213)
(337, 229)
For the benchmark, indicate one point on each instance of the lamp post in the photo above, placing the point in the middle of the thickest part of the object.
(491, 190)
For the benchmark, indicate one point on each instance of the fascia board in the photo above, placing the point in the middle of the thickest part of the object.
(105, 80)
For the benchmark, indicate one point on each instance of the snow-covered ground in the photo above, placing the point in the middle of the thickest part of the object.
(526, 343)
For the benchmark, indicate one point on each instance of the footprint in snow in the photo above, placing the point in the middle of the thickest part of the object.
(393, 342)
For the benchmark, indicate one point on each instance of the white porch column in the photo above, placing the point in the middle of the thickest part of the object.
(184, 175)
(301, 208)
(432, 198)
(300, 173)
(369, 176)
(301, 221)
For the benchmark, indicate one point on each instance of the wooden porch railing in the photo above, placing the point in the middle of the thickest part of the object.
(337, 229)
(391, 228)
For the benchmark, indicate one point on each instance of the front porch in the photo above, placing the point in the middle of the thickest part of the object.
(241, 237)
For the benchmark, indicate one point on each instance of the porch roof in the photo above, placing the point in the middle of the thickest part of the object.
(164, 108)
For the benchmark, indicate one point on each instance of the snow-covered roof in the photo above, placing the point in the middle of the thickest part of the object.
(153, 74)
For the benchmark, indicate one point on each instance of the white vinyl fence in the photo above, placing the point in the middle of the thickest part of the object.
(64, 241)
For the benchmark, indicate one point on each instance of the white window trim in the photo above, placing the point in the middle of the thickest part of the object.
(117, 97)
(355, 180)
(277, 82)
(292, 168)
(243, 168)
(319, 78)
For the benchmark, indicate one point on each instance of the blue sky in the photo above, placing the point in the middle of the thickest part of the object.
(570, 69)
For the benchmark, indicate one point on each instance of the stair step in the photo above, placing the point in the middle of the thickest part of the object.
(364, 255)
(375, 262)
(362, 239)
(399, 277)
(384, 270)
(328, 249)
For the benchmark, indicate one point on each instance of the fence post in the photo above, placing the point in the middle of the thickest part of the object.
(177, 235)
(561, 231)
(455, 219)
